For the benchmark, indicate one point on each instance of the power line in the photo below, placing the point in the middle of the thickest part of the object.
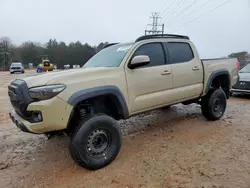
(178, 7)
(173, 8)
(205, 13)
(185, 9)
(168, 7)
(195, 9)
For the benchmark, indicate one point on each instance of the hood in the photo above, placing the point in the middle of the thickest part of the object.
(244, 77)
(45, 78)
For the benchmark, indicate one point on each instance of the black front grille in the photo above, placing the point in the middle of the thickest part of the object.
(242, 85)
(19, 97)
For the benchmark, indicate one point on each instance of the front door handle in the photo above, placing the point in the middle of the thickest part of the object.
(196, 68)
(166, 72)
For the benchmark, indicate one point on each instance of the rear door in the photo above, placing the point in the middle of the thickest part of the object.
(149, 86)
(187, 70)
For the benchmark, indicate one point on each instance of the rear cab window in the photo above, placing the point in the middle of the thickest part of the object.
(179, 52)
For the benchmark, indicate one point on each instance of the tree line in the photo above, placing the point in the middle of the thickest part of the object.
(59, 53)
(243, 57)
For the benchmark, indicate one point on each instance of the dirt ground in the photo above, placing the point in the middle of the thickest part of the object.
(164, 148)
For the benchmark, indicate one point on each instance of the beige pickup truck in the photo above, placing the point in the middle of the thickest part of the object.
(120, 81)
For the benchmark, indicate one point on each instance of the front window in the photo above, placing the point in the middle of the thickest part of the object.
(109, 57)
(155, 53)
(16, 64)
(245, 69)
(46, 63)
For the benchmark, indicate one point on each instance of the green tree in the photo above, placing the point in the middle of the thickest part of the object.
(5, 46)
(59, 53)
(243, 58)
(30, 53)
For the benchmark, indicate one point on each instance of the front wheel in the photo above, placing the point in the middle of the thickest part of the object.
(96, 143)
(213, 105)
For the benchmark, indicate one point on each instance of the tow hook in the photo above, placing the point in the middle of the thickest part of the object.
(50, 135)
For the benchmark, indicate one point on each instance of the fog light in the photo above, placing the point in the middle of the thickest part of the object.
(37, 116)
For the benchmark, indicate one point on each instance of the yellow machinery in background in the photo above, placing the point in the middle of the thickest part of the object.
(46, 65)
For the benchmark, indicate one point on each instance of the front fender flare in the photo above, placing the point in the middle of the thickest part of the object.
(100, 91)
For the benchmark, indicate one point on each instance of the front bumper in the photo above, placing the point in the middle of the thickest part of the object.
(240, 91)
(55, 113)
(18, 121)
(16, 70)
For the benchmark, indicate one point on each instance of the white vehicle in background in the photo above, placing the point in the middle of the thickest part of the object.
(242, 86)
(76, 66)
(16, 67)
(67, 66)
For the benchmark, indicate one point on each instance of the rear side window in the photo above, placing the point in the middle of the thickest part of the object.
(180, 52)
(155, 53)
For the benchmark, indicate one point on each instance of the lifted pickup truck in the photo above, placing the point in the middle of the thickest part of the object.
(120, 81)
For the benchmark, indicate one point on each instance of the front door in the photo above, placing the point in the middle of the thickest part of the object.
(149, 86)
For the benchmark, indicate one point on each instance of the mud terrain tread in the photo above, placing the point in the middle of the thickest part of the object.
(206, 104)
(83, 130)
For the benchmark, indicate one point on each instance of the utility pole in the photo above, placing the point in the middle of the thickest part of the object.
(155, 25)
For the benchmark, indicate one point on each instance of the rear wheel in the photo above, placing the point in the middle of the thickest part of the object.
(96, 143)
(213, 105)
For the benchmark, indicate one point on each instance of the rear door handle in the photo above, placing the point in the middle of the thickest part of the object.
(196, 68)
(166, 72)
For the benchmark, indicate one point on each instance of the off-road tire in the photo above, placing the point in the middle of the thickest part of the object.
(213, 105)
(80, 142)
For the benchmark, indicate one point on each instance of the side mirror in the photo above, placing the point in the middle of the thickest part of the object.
(139, 61)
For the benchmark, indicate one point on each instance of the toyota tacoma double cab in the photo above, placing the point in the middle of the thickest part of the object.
(118, 82)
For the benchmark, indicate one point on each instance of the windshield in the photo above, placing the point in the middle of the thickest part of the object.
(245, 69)
(109, 57)
(16, 64)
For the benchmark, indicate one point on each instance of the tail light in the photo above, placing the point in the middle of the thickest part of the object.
(238, 65)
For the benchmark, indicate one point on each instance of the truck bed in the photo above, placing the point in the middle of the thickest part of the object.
(211, 66)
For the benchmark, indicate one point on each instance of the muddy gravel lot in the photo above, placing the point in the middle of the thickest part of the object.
(163, 148)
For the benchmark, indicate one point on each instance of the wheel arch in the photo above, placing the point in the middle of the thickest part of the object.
(113, 91)
(219, 78)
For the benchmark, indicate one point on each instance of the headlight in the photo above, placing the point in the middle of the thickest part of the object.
(46, 92)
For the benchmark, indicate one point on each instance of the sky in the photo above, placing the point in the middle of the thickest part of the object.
(215, 33)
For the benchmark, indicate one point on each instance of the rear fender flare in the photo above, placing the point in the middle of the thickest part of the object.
(214, 75)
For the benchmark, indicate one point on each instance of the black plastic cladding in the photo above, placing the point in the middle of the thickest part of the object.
(100, 91)
(19, 96)
(215, 74)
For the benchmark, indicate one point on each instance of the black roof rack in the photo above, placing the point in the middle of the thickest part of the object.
(145, 37)
(110, 44)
